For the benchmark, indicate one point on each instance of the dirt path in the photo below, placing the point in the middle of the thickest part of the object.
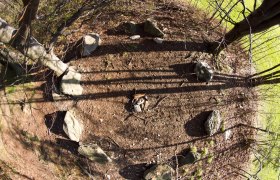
(179, 104)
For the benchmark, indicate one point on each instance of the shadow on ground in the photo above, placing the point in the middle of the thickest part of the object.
(195, 127)
(134, 172)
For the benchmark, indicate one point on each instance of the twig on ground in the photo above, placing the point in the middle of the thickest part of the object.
(158, 102)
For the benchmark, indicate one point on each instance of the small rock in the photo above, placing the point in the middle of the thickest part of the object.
(203, 71)
(158, 40)
(140, 102)
(228, 134)
(26, 108)
(94, 153)
(90, 42)
(70, 83)
(135, 37)
(58, 97)
(151, 27)
(159, 172)
(72, 127)
(213, 122)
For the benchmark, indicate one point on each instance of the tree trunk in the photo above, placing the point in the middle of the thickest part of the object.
(83, 47)
(12, 59)
(70, 83)
(22, 35)
(34, 50)
(264, 17)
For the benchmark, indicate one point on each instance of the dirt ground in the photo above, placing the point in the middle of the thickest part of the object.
(34, 145)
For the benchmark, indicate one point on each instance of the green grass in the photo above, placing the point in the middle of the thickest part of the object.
(10, 89)
(264, 56)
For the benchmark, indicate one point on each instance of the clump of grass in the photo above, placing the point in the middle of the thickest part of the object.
(193, 149)
(184, 171)
(204, 152)
(10, 89)
(223, 127)
(30, 137)
(198, 172)
(210, 159)
(211, 143)
(1, 126)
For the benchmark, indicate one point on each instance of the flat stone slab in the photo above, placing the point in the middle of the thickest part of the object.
(72, 126)
(94, 153)
(70, 83)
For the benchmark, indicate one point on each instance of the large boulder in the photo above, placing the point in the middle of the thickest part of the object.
(84, 47)
(70, 83)
(72, 126)
(213, 123)
(94, 153)
(203, 71)
(159, 172)
(90, 42)
(151, 27)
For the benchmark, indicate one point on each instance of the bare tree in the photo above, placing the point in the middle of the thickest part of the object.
(264, 17)
(23, 33)
(22, 40)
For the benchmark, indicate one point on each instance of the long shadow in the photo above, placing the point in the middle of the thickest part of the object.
(125, 70)
(68, 145)
(184, 73)
(157, 91)
(189, 77)
(148, 45)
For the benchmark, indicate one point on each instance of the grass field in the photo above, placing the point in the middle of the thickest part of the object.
(266, 54)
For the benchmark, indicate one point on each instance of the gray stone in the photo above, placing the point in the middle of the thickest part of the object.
(213, 123)
(189, 158)
(70, 83)
(135, 37)
(58, 97)
(152, 28)
(203, 71)
(72, 126)
(158, 40)
(137, 108)
(228, 134)
(90, 42)
(129, 27)
(94, 153)
(159, 172)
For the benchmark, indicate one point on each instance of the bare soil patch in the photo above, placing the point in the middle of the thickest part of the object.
(38, 148)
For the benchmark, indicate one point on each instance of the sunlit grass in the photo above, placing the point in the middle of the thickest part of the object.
(265, 55)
